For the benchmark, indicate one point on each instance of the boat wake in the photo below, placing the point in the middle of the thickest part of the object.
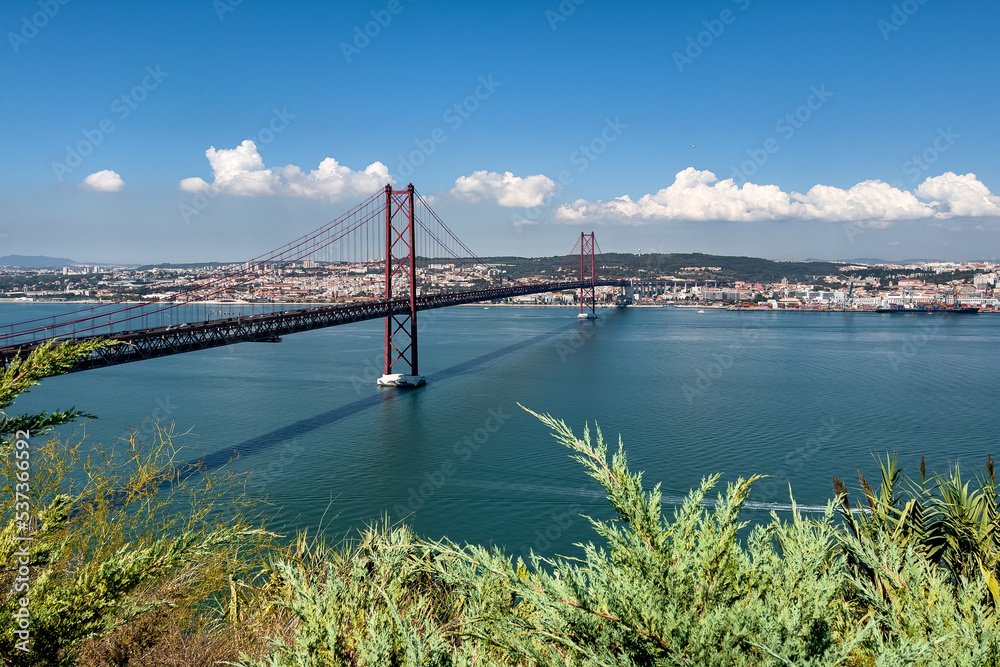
(665, 500)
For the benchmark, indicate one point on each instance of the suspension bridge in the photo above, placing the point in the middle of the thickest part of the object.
(392, 244)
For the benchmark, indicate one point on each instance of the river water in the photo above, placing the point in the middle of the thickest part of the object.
(800, 396)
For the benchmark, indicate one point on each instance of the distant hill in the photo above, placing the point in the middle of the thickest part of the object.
(712, 267)
(192, 265)
(876, 260)
(853, 260)
(35, 261)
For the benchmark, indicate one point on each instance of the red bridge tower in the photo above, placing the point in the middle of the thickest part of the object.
(587, 248)
(400, 270)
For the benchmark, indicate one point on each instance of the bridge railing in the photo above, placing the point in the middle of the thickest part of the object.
(158, 341)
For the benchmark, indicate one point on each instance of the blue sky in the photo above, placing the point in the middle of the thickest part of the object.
(833, 130)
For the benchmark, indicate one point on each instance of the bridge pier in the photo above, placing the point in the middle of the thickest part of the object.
(400, 262)
(140, 334)
(587, 247)
(401, 380)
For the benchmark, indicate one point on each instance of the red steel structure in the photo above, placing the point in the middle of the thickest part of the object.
(400, 266)
(587, 247)
(393, 222)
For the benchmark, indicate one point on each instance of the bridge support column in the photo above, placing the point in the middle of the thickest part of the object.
(400, 291)
(587, 248)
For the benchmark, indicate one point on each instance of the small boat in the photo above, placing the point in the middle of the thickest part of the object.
(701, 311)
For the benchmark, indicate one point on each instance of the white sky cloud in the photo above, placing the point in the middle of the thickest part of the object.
(958, 195)
(694, 195)
(241, 171)
(506, 188)
(700, 196)
(103, 181)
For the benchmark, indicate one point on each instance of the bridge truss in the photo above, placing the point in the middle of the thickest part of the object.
(374, 247)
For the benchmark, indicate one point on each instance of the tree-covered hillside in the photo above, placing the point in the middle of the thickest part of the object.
(712, 267)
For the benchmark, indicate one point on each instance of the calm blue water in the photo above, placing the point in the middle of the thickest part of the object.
(801, 396)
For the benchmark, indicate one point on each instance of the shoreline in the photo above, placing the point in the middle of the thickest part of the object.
(480, 304)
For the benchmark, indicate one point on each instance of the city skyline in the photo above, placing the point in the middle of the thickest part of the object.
(208, 131)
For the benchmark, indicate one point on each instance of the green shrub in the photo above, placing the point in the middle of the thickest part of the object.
(137, 560)
(116, 532)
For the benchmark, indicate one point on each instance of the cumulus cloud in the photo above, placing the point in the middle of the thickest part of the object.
(241, 171)
(872, 202)
(103, 181)
(333, 180)
(954, 195)
(506, 188)
(698, 195)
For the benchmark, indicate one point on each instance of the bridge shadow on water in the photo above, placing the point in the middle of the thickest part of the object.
(263, 443)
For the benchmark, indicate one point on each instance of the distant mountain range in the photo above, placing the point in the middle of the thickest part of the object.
(35, 261)
(874, 260)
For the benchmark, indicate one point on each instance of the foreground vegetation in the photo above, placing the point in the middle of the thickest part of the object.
(124, 572)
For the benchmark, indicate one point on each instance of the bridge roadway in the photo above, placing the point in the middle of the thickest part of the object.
(164, 341)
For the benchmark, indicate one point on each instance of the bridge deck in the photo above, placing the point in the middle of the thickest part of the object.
(164, 341)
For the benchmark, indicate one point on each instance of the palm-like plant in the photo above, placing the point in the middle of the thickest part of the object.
(942, 519)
